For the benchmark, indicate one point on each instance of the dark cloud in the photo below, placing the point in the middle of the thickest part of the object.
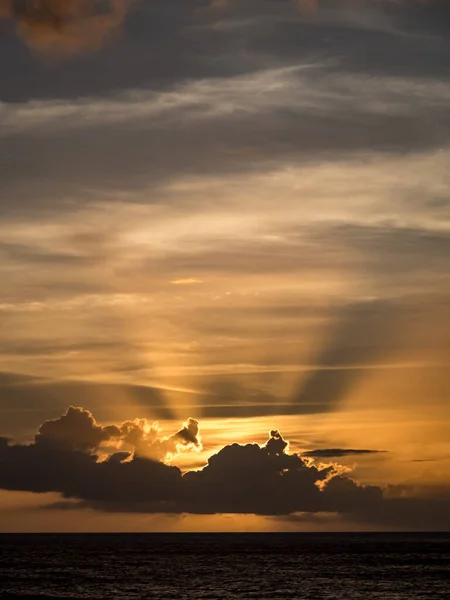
(151, 47)
(169, 44)
(253, 479)
(62, 458)
(264, 480)
(397, 245)
(165, 42)
(12, 379)
(237, 479)
(77, 474)
(75, 430)
(137, 154)
(276, 445)
(188, 434)
(21, 253)
(396, 39)
(339, 452)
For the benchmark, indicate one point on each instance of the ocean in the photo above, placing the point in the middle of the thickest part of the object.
(275, 566)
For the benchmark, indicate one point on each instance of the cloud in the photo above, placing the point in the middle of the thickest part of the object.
(143, 436)
(77, 430)
(263, 122)
(311, 88)
(263, 480)
(64, 27)
(186, 281)
(339, 452)
(173, 41)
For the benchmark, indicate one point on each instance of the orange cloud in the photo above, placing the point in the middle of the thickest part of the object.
(64, 27)
(186, 281)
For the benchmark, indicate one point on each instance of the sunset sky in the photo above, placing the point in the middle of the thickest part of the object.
(220, 221)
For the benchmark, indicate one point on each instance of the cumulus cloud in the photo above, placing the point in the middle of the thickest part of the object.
(276, 445)
(258, 479)
(255, 479)
(77, 430)
(64, 26)
(143, 436)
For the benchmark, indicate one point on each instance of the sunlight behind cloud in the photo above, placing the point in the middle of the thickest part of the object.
(233, 219)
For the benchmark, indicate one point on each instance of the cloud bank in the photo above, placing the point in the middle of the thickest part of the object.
(253, 479)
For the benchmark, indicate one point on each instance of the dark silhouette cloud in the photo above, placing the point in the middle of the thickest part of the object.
(339, 452)
(75, 430)
(264, 480)
(254, 479)
(188, 434)
(276, 445)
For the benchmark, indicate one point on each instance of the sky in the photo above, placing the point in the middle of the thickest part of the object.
(224, 250)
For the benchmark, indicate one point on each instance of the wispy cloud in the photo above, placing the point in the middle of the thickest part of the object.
(309, 88)
(186, 281)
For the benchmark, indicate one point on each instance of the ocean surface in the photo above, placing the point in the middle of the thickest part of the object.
(226, 566)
